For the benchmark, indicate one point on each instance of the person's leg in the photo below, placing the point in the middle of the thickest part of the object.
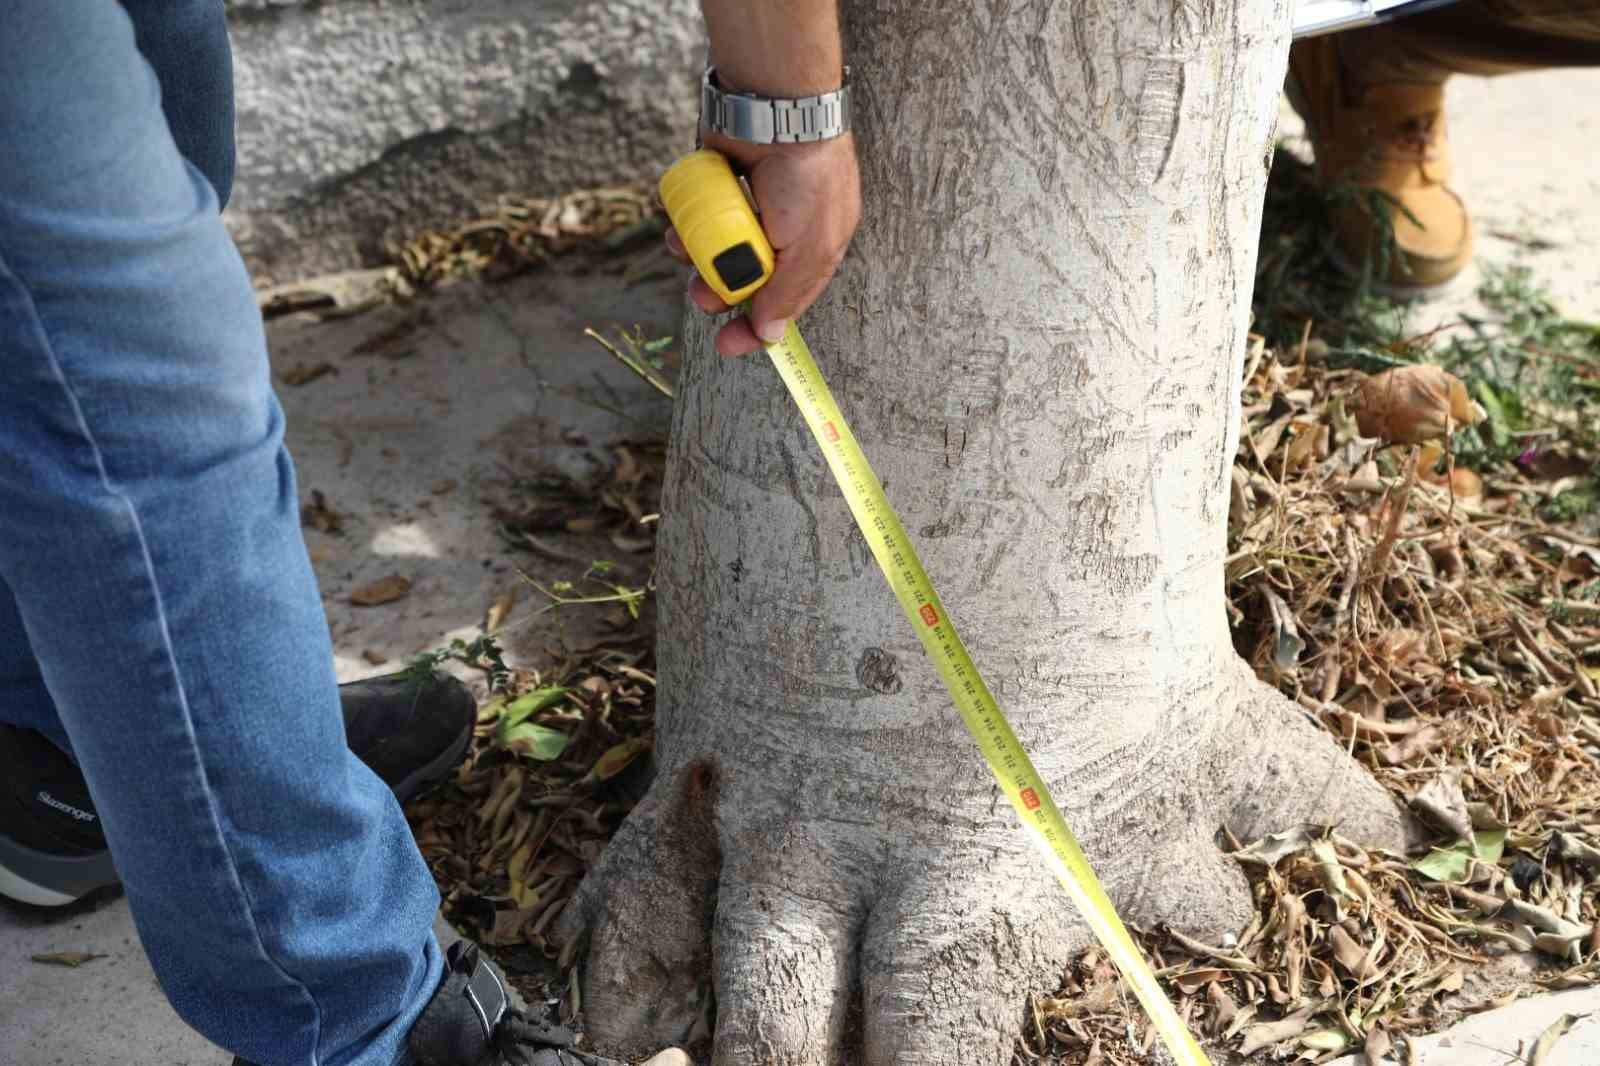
(24, 700)
(149, 534)
(1373, 101)
(186, 44)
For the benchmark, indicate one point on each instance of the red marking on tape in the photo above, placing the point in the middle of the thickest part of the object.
(830, 431)
(929, 615)
(1030, 799)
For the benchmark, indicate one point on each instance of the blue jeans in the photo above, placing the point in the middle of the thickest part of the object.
(157, 609)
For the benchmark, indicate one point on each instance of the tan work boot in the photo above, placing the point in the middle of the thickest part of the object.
(1388, 137)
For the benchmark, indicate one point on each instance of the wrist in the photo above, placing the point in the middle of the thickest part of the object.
(735, 76)
(763, 120)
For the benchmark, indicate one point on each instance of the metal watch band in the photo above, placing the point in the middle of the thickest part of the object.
(768, 120)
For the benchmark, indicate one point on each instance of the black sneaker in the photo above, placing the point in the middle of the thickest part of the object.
(470, 1022)
(52, 851)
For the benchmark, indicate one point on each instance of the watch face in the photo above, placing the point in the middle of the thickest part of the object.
(1313, 17)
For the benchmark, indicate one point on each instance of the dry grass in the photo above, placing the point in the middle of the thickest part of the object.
(1451, 643)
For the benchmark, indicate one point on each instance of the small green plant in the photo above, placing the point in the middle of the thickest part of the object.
(483, 653)
(572, 594)
(1571, 506)
(639, 353)
(1527, 363)
(1301, 276)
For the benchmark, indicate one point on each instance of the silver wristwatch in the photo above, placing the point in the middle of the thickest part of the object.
(766, 120)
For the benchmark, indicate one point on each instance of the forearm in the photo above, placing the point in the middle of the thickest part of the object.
(776, 47)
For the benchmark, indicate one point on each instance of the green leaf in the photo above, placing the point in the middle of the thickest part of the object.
(618, 756)
(1499, 430)
(531, 703)
(1452, 864)
(534, 740)
(488, 712)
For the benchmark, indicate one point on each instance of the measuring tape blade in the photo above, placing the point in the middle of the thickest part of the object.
(977, 706)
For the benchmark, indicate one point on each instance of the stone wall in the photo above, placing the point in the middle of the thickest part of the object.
(366, 120)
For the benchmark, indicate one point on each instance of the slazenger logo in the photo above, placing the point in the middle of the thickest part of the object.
(65, 808)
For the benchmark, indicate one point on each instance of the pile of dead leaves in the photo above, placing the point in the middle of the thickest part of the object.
(523, 232)
(1425, 615)
(560, 758)
(562, 753)
(617, 507)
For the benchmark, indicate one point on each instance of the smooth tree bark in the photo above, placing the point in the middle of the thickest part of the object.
(1038, 336)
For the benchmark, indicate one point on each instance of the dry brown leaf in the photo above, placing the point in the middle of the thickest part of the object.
(1378, 1046)
(304, 373)
(1352, 957)
(1547, 1039)
(1427, 739)
(1413, 404)
(1223, 1007)
(73, 959)
(500, 610)
(1192, 981)
(1266, 442)
(507, 928)
(1442, 803)
(1266, 1034)
(1303, 444)
(384, 590)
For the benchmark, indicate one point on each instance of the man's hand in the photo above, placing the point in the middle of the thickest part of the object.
(809, 196)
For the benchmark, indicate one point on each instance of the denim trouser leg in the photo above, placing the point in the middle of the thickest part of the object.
(24, 699)
(186, 44)
(149, 536)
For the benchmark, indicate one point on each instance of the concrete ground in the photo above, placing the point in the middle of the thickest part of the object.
(434, 402)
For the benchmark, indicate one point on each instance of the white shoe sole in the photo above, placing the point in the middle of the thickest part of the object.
(46, 879)
(15, 886)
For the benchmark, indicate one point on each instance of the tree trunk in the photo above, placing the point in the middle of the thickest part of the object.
(1038, 337)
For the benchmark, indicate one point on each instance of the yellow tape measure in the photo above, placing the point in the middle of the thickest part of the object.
(708, 207)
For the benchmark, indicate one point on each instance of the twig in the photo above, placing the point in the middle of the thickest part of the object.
(649, 376)
(1391, 530)
(1531, 643)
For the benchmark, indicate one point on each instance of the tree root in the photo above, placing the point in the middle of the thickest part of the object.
(936, 933)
